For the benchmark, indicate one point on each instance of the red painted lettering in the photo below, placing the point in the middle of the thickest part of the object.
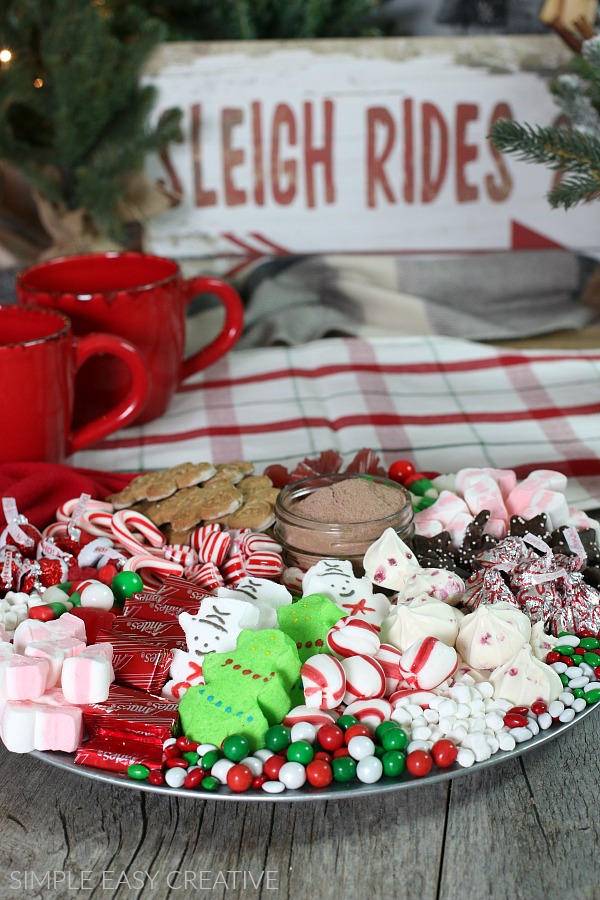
(435, 143)
(379, 118)
(232, 156)
(202, 197)
(499, 190)
(322, 155)
(465, 153)
(283, 120)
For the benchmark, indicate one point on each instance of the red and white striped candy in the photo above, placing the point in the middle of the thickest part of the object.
(324, 681)
(428, 662)
(370, 712)
(55, 529)
(264, 565)
(389, 657)
(234, 569)
(206, 576)
(257, 542)
(66, 510)
(151, 569)
(404, 696)
(291, 578)
(97, 522)
(200, 533)
(127, 520)
(353, 637)
(214, 547)
(316, 717)
(182, 554)
(365, 678)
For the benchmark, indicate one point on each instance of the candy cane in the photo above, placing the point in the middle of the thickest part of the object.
(152, 570)
(181, 553)
(64, 512)
(97, 522)
(126, 518)
(55, 529)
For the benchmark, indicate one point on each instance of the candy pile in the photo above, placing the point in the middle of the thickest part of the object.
(193, 659)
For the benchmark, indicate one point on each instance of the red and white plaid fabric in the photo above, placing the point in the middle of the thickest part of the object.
(442, 402)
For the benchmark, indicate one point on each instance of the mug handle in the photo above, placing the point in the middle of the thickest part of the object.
(232, 326)
(123, 412)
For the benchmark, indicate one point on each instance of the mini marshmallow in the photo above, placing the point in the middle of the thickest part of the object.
(86, 678)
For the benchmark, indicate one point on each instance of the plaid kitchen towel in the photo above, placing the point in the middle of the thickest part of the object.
(445, 403)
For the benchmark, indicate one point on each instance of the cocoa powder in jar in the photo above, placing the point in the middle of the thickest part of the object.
(339, 516)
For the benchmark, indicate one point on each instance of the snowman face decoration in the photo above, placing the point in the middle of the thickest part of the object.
(336, 580)
(217, 624)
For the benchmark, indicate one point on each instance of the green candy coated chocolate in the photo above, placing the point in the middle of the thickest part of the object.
(592, 696)
(138, 772)
(210, 783)
(191, 756)
(589, 644)
(564, 650)
(564, 678)
(210, 758)
(578, 692)
(592, 659)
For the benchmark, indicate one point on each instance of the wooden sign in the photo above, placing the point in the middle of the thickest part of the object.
(358, 146)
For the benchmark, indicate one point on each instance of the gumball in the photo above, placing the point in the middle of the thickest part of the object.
(98, 596)
(318, 773)
(356, 730)
(272, 766)
(239, 778)
(236, 747)
(293, 775)
(394, 739)
(419, 763)
(400, 469)
(301, 752)
(277, 738)
(330, 737)
(343, 768)
(345, 722)
(369, 769)
(360, 746)
(444, 753)
(125, 585)
(394, 763)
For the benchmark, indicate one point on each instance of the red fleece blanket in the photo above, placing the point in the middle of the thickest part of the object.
(40, 488)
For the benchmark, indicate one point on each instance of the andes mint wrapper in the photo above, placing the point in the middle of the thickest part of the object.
(116, 755)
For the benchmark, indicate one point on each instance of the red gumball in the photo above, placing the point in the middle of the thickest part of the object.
(318, 773)
(272, 766)
(400, 469)
(330, 737)
(239, 778)
(444, 753)
(419, 763)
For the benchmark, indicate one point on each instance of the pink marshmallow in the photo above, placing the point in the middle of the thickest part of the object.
(551, 503)
(53, 655)
(445, 508)
(22, 678)
(458, 526)
(26, 726)
(482, 492)
(86, 678)
(506, 479)
(67, 626)
(545, 479)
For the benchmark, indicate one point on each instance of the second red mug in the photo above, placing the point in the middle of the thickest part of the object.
(142, 298)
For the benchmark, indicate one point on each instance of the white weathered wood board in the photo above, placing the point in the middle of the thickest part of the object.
(357, 146)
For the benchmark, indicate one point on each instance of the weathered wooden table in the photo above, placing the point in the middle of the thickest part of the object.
(523, 829)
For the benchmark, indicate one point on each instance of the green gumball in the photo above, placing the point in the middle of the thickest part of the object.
(125, 585)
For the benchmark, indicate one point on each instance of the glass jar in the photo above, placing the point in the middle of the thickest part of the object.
(364, 508)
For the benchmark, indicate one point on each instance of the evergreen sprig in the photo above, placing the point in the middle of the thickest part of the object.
(574, 149)
(84, 128)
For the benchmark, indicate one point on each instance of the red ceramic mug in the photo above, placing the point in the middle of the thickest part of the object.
(141, 297)
(39, 359)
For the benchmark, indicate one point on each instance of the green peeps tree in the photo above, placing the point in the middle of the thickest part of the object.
(573, 149)
(74, 116)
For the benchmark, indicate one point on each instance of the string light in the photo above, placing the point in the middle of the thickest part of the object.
(38, 82)
(5, 56)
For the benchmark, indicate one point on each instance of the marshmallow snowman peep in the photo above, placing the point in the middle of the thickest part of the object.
(265, 595)
(336, 580)
(217, 624)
